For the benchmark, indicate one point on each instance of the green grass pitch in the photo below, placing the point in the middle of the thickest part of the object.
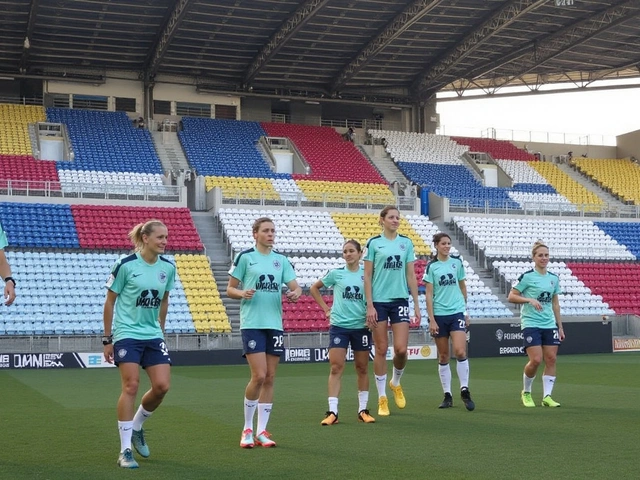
(62, 425)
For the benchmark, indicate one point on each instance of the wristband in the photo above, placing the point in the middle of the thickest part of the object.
(10, 279)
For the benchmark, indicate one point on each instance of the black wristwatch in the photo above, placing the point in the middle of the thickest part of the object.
(10, 279)
(107, 340)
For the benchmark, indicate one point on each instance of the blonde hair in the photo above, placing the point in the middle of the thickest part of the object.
(256, 225)
(141, 229)
(536, 246)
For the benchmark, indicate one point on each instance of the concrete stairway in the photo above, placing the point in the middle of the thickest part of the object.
(385, 166)
(170, 151)
(220, 260)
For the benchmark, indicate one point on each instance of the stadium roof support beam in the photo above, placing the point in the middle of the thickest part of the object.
(425, 83)
(161, 44)
(26, 46)
(288, 28)
(400, 23)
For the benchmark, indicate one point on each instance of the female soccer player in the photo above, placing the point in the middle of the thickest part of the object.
(347, 316)
(542, 330)
(140, 283)
(5, 271)
(262, 272)
(446, 295)
(388, 269)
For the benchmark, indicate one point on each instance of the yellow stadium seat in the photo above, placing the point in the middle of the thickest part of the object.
(620, 177)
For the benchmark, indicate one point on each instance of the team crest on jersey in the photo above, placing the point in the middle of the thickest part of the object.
(252, 344)
(553, 284)
(454, 266)
(336, 340)
(403, 246)
(362, 277)
(122, 352)
(277, 264)
(162, 276)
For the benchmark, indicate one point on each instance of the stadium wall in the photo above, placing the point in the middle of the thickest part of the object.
(629, 145)
(548, 149)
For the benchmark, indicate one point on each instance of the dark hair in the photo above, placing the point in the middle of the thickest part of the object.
(355, 243)
(536, 246)
(258, 222)
(385, 210)
(436, 240)
(144, 228)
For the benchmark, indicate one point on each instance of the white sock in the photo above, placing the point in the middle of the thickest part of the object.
(397, 375)
(381, 385)
(462, 367)
(527, 382)
(249, 411)
(139, 418)
(547, 384)
(333, 405)
(363, 399)
(264, 410)
(445, 377)
(125, 429)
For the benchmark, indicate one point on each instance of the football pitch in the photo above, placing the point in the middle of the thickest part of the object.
(62, 425)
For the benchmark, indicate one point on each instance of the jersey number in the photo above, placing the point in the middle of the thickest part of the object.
(461, 323)
(555, 334)
(403, 311)
(278, 341)
(164, 349)
(365, 340)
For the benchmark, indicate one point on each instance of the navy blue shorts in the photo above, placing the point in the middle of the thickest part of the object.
(359, 338)
(396, 311)
(145, 353)
(533, 336)
(262, 340)
(450, 323)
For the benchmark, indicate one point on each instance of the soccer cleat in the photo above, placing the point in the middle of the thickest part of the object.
(246, 440)
(383, 407)
(364, 417)
(126, 460)
(447, 402)
(139, 443)
(398, 396)
(329, 419)
(466, 398)
(264, 439)
(549, 402)
(527, 401)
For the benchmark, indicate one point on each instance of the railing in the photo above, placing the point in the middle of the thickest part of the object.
(324, 200)
(34, 188)
(35, 100)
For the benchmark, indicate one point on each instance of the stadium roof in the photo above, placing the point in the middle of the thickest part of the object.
(339, 48)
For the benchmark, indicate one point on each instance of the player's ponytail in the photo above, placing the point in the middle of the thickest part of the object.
(137, 233)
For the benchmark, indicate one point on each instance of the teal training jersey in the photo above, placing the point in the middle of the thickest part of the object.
(389, 258)
(445, 277)
(349, 309)
(3, 239)
(265, 274)
(532, 284)
(140, 288)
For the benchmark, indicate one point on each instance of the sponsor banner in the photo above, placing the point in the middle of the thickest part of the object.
(414, 352)
(37, 360)
(626, 344)
(92, 360)
(310, 355)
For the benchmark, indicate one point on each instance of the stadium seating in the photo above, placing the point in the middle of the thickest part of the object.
(329, 155)
(243, 188)
(14, 131)
(625, 233)
(567, 186)
(342, 192)
(39, 225)
(576, 298)
(498, 149)
(619, 177)
(420, 147)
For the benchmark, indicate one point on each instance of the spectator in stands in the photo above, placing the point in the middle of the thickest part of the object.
(140, 122)
(542, 330)
(5, 271)
(347, 317)
(388, 269)
(134, 330)
(350, 135)
(570, 155)
(395, 187)
(262, 272)
(446, 295)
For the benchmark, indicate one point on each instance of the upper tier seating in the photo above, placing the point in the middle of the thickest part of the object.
(522, 172)
(116, 182)
(107, 227)
(575, 299)
(514, 238)
(498, 149)
(618, 284)
(25, 167)
(620, 177)
(225, 148)
(63, 294)
(567, 186)
(624, 233)
(243, 188)
(420, 147)
(342, 192)
(106, 142)
(329, 155)
(14, 128)
(40, 225)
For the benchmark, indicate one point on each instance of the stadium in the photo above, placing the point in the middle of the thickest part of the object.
(318, 114)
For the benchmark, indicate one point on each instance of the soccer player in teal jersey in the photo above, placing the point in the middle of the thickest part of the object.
(347, 317)
(262, 272)
(542, 330)
(446, 295)
(388, 270)
(5, 271)
(135, 312)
